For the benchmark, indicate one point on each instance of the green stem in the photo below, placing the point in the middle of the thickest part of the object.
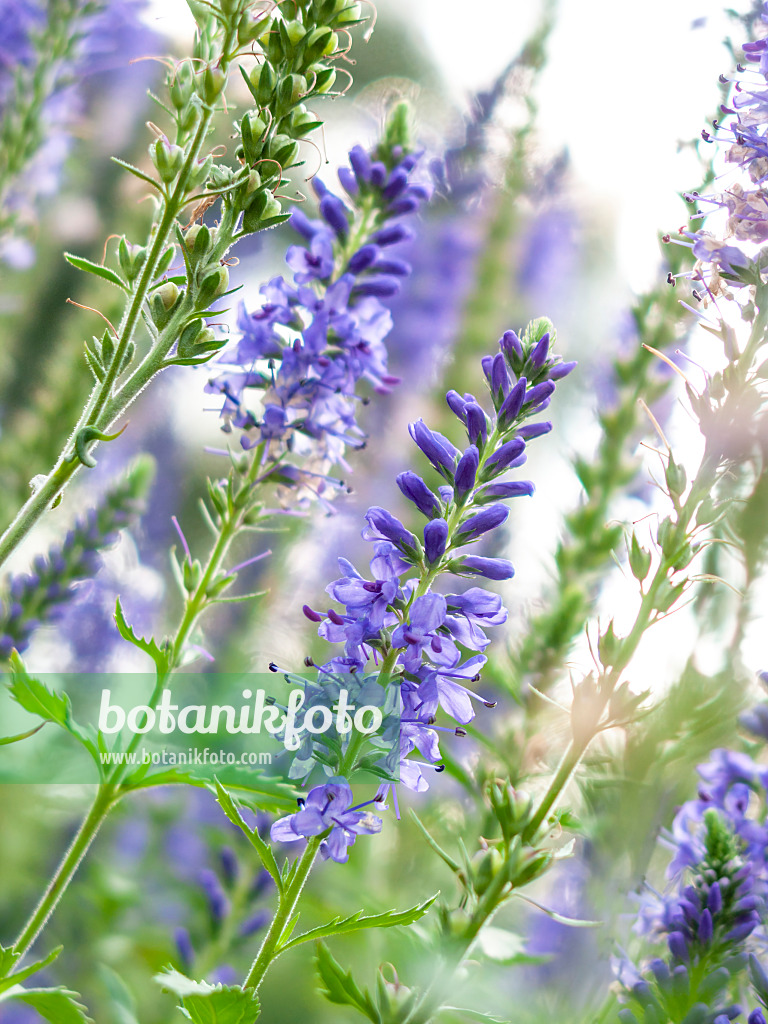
(67, 868)
(109, 791)
(270, 947)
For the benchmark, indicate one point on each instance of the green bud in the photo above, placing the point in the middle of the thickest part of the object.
(325, 78)
(191, 573)
(214, 284)
(667, 595)
(263, 80)
(675, 477)
(198, 174)
(214, 80)
(295, 31)
(349, 14)
(534, 864)
(319, 42)
(168, 293)
(302, 121)
(608, 646)
(196, 343)
(284, 150)
(252, 26)
(639, 559)
(486, 865)
(131, 258)
(162, 302)
(167, 158)
(219, 585)
(291, 91)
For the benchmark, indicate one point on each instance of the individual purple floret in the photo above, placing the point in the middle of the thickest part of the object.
(328, 807)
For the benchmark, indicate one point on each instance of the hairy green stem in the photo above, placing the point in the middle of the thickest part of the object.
(287, 900)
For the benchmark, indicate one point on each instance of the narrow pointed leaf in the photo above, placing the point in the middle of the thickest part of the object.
(96, 269)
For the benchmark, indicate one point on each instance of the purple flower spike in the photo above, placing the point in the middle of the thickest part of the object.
(435, 539)
(489, 568)
(415, 490)
(481, 523)
(384, 526)
(466, 471)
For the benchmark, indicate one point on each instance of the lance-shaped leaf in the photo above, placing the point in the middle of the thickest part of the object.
(211, 1004)
(357, 922)
(338, 985)
(97, 270)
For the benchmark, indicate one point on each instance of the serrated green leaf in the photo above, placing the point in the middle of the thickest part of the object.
(340, 987)
(356, 922)
(211, 1004)
(149, 647)
(57, 1005)
(15, 980)
(96, 269)
(37, 699)
(264, 850)
(7, 959)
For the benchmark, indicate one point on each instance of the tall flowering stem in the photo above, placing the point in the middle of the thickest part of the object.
(236, 504)
(410, 632)
(293, 68)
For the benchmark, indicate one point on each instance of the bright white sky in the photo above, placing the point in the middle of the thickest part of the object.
(624, 83)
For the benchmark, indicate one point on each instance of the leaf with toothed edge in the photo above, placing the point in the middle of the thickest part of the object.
(159, 656)
(264, 851)
(57, 1005)
(14, 980)
(204, 1003)
(356, 922)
